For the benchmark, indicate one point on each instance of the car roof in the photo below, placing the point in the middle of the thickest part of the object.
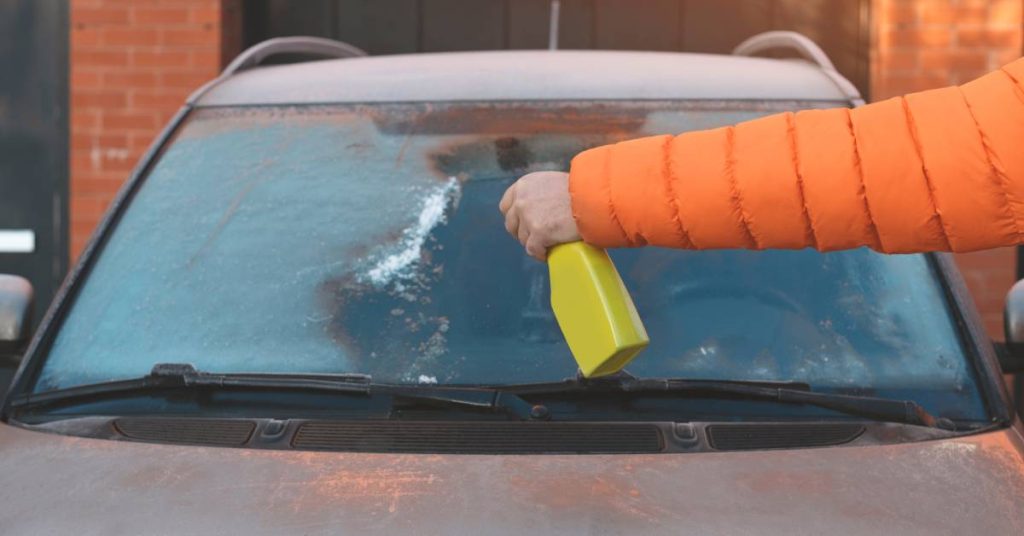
(524, 75)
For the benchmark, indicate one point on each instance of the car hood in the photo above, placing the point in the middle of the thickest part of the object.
(55, 484)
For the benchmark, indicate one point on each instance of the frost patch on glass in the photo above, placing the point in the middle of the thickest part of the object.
(400, 265)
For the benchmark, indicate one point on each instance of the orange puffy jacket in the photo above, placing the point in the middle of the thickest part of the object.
(939, 170)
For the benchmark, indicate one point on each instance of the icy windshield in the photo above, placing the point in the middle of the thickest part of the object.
(359, 238)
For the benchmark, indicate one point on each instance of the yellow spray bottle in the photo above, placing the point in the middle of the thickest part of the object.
(594, 309)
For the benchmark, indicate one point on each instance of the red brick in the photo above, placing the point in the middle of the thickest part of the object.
(82, 229)
(962, 76)
(80, 236)
(82, 79)
(123, 120)
(129, 36)
(207, 60)
(84, 98)
(973, 37)
(901, 84)
(117, 165)
(87, 186)
(187, 79)
(98, 16)
(100, 174)
(140, 142)
(901, 13)
(971, 13)
(98, 58)
(953, 60)
(84, 120)
(131, 78)
(158, 99)
(936, 13)
(205, 15)
(77, 246)
(86, 37)
(80, 160)
(78, 242)
(161, 59)
(84, 226)
(133, 64)
(88, 141)
(189, 37)
(1005, 12)
(160, 17)
(901, 60)
(163, 117)
(1002, 57)
(919, 37)
(88, 205)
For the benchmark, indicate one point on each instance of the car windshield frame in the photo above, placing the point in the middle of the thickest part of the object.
(967, 328)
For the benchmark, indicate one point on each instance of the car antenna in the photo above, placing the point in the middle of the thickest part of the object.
(556, 8)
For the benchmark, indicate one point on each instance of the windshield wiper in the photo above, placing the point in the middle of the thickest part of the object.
(797, 393)
(183, 376)
(503, 398)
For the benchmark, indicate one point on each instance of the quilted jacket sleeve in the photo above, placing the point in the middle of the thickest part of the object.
(940, 170)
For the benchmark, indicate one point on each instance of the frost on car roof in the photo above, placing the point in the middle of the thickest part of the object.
(525, 75)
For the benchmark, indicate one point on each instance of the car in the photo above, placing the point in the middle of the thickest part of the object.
(303, 314)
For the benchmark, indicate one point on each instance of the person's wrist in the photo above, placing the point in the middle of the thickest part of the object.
(538, 212)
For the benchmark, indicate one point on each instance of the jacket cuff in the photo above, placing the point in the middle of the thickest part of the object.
(591, 199)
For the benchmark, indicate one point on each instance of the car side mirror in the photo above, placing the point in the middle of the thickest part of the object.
(1011, 355)
(16, 296)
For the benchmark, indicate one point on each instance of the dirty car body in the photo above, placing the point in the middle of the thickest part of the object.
(335, 221)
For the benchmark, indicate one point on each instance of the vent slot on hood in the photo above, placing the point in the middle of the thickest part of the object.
(479, 437)
(780, 436)
(219, 432)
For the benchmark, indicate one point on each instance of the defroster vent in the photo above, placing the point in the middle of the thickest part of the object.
(780, 436)
(219, 432)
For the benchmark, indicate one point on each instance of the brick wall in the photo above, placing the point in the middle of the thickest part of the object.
(924, 44)
(133, 63)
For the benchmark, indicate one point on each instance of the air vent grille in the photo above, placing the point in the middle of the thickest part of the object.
(220, 432)
(479, 437)
(780, 436)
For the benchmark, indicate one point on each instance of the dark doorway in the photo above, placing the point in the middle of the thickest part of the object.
(402, 26)
(33, 147)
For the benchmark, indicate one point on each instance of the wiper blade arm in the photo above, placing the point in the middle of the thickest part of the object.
(185, 376)
(470, 397)
(882, 409)
(170, 374)
(480, 398)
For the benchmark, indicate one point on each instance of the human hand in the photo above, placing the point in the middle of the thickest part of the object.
(538, 212)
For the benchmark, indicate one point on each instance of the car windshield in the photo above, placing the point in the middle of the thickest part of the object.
(366, 238)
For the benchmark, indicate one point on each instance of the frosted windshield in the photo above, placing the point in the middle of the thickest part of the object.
(367, 239)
